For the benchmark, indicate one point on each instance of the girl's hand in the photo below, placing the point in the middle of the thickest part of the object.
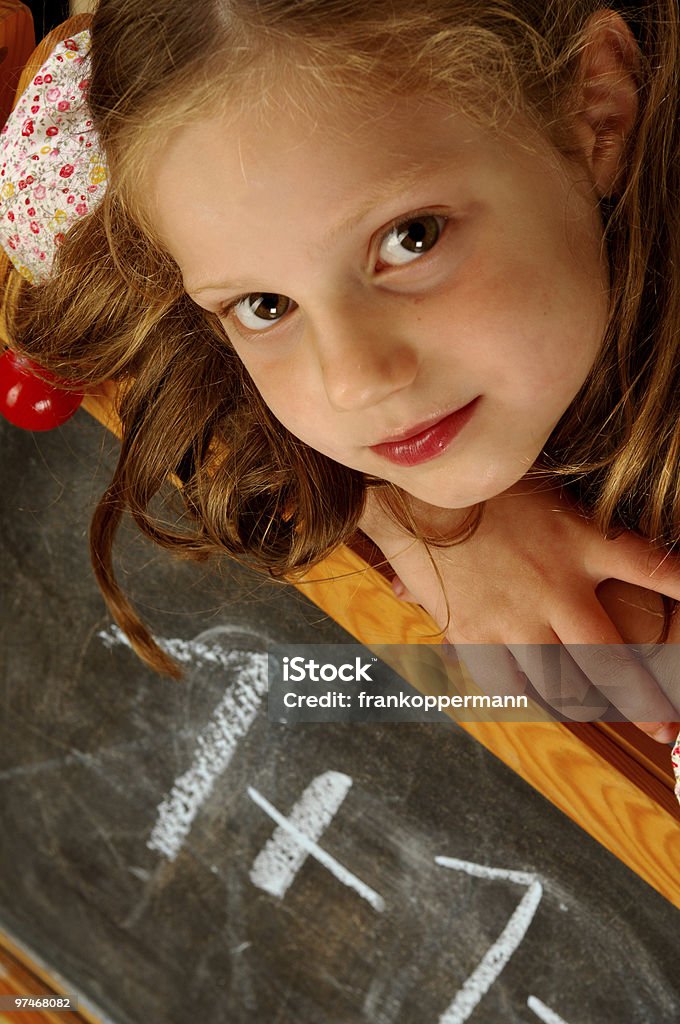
(529, 576)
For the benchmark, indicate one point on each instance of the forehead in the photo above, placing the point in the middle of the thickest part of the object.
(229, 182)
(261, 142)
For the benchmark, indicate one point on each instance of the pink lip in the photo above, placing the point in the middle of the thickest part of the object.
(422, 445)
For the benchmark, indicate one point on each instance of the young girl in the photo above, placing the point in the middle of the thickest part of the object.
(371, 265)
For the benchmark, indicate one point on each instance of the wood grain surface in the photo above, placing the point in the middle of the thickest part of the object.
(21, 975)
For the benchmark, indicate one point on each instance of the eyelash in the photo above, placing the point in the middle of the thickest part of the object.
(224, 312)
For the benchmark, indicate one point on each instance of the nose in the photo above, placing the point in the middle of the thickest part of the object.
(363, 355)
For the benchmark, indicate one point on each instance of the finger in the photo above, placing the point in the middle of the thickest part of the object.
(635, 560)
(492, 668)
(665, 733)
(560, 681)
(597, 648)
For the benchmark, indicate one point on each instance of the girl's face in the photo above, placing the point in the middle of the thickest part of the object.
(412, 295)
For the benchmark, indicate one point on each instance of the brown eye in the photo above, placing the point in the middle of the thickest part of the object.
(259, 310)
(410, 238)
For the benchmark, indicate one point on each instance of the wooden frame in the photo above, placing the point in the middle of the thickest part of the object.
(610, 779)
(22, 974)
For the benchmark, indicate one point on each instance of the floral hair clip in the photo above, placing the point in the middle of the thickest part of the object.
(51, 173)
(51, 168)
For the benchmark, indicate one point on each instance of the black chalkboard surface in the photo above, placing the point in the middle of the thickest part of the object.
(177, 856)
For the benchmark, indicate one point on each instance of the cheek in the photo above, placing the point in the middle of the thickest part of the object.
(288, 395)
(269, 382)
(534, 322)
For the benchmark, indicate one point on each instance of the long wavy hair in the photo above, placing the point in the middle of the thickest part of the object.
(114, 306)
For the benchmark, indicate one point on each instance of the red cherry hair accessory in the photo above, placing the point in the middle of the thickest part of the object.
(30, 402)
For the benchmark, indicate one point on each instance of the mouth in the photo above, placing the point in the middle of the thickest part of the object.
(422, 443)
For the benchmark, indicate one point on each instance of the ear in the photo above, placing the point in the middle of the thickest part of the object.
(607, 104)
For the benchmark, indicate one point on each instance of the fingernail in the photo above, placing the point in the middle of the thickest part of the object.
(666, 733)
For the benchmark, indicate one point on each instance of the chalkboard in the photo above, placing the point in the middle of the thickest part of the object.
(177, 856)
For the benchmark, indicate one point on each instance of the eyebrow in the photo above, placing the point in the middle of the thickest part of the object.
(382, 191)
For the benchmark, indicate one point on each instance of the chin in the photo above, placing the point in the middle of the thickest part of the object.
(482, 487)
(441, 499)
(499, 477)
